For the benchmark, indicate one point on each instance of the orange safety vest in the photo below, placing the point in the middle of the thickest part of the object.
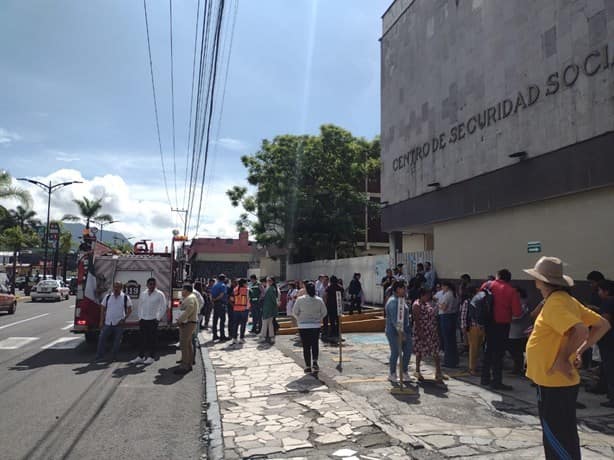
(240, 299)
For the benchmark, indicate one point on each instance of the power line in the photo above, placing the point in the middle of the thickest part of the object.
(170, 7)
(191, 104)
(153, 87)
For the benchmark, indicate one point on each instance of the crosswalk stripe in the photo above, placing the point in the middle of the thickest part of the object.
(68, 326)
(63, 343)
(22, 321)
(12, 343)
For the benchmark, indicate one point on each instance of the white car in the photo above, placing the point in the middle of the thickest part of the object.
(50, 290)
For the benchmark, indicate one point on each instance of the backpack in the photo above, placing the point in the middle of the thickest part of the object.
(481, 307)
(106, 301)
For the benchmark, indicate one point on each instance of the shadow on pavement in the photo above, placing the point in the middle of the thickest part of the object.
(304, 384)
(167, 377)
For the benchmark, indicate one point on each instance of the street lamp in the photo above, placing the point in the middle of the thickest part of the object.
(49, 188)
(101, 226)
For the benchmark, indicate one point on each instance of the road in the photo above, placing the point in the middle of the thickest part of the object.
(55, 403)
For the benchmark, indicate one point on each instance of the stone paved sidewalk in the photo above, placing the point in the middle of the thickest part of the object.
(271, 409)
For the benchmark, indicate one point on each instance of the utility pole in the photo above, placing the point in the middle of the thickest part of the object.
(185, 219)
(50, 188)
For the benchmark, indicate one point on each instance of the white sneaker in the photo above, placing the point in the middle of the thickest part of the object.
(137, 360)
(149, 360)
(393, 378)
(406, 377)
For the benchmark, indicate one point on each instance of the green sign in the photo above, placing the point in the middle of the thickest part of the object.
(534, 247)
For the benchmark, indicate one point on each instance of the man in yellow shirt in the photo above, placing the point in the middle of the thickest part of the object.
(560, 336)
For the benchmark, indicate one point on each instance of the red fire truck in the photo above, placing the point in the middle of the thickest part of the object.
(99, 267)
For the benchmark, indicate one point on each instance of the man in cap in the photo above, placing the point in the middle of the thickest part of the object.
(219, 294)
(560, 335)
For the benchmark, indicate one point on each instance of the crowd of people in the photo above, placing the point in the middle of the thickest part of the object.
(548, 342)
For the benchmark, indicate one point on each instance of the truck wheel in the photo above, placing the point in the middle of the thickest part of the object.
(91, 338)
(13, 308)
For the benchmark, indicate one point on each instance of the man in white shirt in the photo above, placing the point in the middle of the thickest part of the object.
(114, 310)
(152, 308)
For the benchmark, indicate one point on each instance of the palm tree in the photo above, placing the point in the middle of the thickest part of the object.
(89, 210)
(16, 239)
(24, 218)
(9, 191)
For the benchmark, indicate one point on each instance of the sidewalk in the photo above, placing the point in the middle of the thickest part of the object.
(270, 408)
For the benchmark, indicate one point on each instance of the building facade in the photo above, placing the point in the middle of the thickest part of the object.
(498, 133)
(208, 257)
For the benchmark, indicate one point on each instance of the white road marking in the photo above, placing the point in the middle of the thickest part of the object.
(12, 343)
(64, 343)
(71, 306)
(68, 326)
(22, 321)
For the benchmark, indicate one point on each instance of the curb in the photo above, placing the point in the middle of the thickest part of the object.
(215, 439)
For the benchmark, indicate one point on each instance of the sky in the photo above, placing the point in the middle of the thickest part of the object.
(76, 99)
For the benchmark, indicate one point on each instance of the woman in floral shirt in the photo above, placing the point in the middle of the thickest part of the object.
(426, 337)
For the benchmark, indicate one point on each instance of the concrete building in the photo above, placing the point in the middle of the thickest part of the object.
(208, 257)
(498, 133)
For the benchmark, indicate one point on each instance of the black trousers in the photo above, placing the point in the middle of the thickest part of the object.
(355, 304)
(607, 364)
(206, 314)
(219, 317)
(557, 414)
(516, 348)
(311, 347)
(149, 337)
(496, 344)
(239, 320)
(331, 322)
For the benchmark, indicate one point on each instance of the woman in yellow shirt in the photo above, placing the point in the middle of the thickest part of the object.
(560, 336)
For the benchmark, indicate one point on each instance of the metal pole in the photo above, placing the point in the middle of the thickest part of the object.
(47, 231)
(339, 315)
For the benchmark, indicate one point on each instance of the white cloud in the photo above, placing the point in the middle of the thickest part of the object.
(234, 145)
(8, 137)
(66, 157)
(142, 211)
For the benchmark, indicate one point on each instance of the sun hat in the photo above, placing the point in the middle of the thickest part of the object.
(550, 270)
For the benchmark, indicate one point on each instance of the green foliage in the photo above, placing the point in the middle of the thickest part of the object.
(89, 210)
(310, 192)
(15, 239)
(9, 191)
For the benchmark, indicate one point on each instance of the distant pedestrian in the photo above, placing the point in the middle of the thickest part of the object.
(606, 344)
(291, 298)
(207, 309)
(230, 290)
(600, 387)
(322, 286)
(331, 322)
(506, 304)
(309, 310)
(356, 295)
(399, 275)
(152, 308)
(519, 332)
(269, 311)
(115, 308)
(426, 337)
(219, 294)
(430, 276)
(560, 336)
(448, 318)
(240, 311)
(387, 283)
(256, 293)
(392, 333)
(302, 290)
(187, 324)
(474, 331)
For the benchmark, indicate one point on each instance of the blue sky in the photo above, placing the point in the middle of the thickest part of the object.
(76, 99)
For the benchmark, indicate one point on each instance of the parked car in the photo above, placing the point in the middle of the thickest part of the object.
(8, 302)
(50, 290)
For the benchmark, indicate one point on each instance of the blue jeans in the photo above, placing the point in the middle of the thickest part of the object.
(117, 332)
(393, 341)
(448, 332)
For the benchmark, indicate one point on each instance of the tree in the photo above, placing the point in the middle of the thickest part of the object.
(310, 194)
(9, 191)
(89, 210)
(24, 218)
(15, 239)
